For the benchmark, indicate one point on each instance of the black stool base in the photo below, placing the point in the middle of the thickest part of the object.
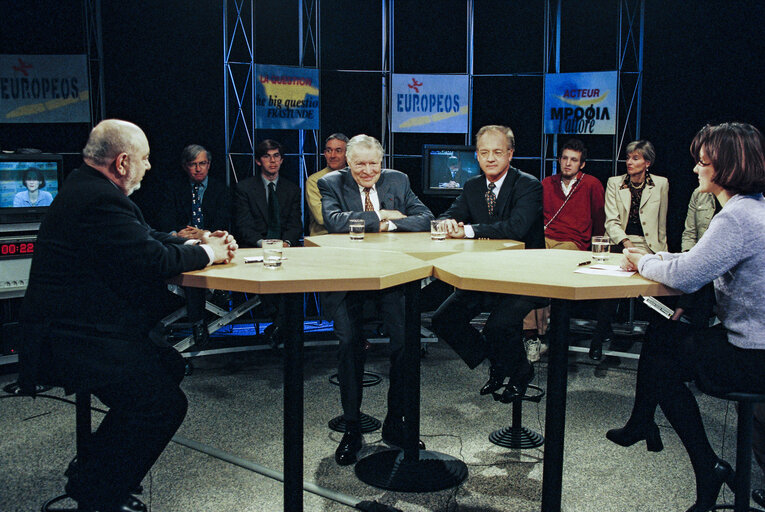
(368, 423)
(432, 472)
(519, 438)
(733, 507)
(48, 506)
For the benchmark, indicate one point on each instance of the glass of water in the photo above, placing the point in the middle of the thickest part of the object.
(437, 230)
(356, 229)
(600, 248)
(272, 253)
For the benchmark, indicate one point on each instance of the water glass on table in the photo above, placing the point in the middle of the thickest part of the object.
(600, 248)
(356, 229)
(272, 253)
(437, 230)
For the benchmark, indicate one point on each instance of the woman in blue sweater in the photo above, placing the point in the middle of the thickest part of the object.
(731, 356)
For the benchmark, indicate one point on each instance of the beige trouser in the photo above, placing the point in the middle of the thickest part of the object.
(538, 319)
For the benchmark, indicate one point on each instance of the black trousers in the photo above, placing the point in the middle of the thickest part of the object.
(502, 336)
(668, 362)
(145, 410)
(347, 315)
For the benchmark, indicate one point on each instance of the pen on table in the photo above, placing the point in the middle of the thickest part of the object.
(583, 263)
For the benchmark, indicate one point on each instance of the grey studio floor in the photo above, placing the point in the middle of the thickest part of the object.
(236, 406)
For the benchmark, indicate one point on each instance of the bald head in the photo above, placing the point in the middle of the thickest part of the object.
(110, 138)
(120, 151)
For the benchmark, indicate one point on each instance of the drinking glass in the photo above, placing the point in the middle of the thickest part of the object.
(600, 248)
(356, 229)
(437, 230)
(272, 253)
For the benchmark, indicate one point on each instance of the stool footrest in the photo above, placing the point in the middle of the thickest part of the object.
(519, 438)
(368, 423)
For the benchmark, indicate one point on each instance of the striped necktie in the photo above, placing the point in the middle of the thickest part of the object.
(368, 206)
(491, 199)
(197, 219)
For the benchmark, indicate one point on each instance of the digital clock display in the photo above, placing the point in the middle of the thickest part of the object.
(16, 249)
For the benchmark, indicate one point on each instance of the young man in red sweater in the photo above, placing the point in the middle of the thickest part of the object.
(573, 213)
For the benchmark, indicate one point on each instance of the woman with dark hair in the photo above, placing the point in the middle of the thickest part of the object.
(730, 356)
(33, 196)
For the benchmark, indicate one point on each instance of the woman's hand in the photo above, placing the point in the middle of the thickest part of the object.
(631, 258)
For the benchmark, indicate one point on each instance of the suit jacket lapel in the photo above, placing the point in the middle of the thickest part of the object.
(626, 199)
(645, 195)
(351, 193)
(261, 199)
(384, 194)
(506, 190)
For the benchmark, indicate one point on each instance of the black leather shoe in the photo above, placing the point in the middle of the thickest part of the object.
(496, 380)
(711, 482)
(394, 433)
(516, 388)
(758, 495)
(348, 449)
(629, 435)
(73, 470)
(596, 345)
(130, 504)
(200, 334)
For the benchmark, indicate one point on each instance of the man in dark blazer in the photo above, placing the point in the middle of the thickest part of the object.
(95, 292)
(267, 206)
(503, 203)
(176, 212)
(384, 200)
(179, 214)
(253, 220)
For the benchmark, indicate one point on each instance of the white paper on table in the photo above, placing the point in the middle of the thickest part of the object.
(605, 270)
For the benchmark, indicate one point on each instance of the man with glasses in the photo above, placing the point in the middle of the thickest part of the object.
(191, 207)
(267, 206)
(334, 154)
(503, 203)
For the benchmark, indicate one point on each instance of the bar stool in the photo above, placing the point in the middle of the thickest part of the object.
(368, 423)
(517, 436)
(746, 403)
(82, 432)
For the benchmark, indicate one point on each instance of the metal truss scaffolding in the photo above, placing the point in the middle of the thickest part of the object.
(239, 76)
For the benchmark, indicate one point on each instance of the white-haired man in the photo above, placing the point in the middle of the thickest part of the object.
(385, 201)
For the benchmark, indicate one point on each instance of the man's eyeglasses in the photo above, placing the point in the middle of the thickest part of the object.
(275, 157)
(203, 163)
(498, 153)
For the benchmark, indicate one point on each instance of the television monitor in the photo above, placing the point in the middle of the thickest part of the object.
(445, 168)
(28, 184)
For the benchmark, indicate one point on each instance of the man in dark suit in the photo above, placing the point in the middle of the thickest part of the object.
(453, 176)
(95, 292)
(189, 207)
(503, 203)
(267, 206)
(385, 201)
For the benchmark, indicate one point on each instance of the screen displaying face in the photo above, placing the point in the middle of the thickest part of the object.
(450, 169)
(27, 183)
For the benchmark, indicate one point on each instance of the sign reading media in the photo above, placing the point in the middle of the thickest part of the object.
(430, 103)
(287, 98)
(44, 89)
(581, 103)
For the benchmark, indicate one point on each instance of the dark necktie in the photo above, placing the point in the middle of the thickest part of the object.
(274, 222)
(491, 199)
(197, 219)
(368, 206)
